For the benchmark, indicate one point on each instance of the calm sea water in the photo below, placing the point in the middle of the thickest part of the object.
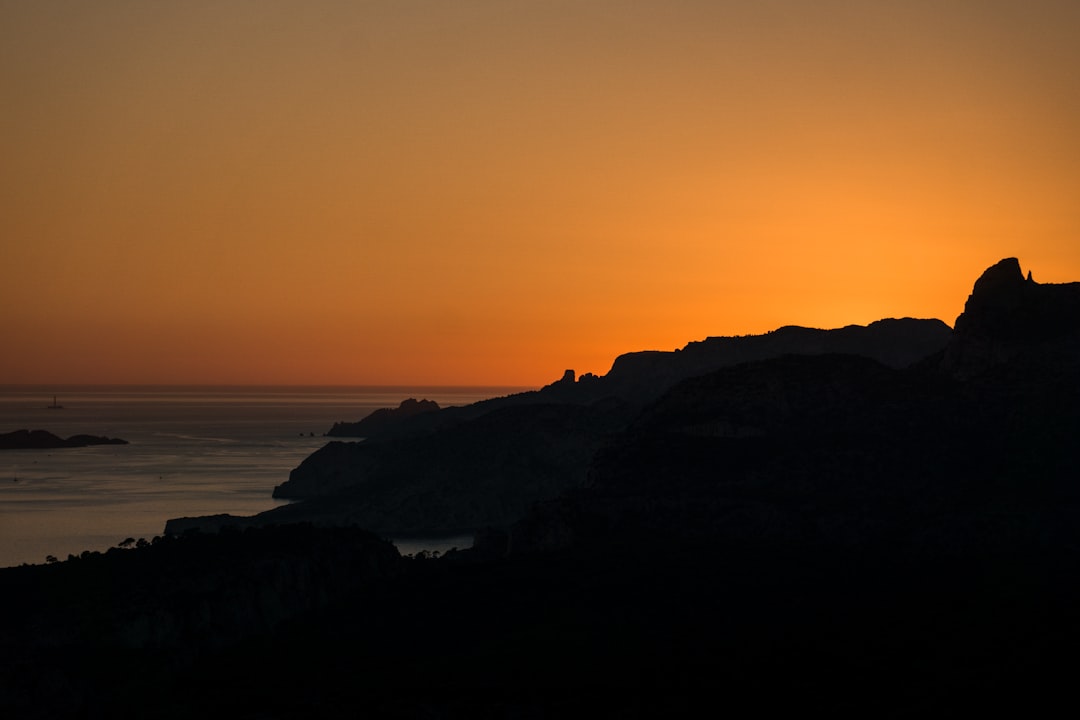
(192, 451)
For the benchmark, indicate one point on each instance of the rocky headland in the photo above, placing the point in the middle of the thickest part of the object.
(383, 420)
(425, 469)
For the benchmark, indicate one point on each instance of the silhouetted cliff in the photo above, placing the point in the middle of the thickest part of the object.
(637, 378)
(1007, 315)
(383, 419)
(896, 343)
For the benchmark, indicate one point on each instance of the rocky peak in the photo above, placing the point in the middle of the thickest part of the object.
(1007, 314)
(1003, 274)
(567, 381)
(998, 291)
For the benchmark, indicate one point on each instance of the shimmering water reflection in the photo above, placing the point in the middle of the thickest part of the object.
(192, 451)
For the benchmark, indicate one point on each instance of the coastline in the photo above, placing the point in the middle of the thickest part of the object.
(192, 451)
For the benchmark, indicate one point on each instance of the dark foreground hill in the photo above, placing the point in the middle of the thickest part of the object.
(821, 534)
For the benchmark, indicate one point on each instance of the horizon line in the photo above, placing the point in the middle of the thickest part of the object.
(253, 386)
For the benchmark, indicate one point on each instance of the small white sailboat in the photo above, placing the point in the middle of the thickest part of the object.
(54, 405)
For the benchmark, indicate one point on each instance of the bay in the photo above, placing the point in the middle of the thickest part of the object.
(192, 451)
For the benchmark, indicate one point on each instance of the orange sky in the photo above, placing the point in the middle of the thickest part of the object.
(491, 191)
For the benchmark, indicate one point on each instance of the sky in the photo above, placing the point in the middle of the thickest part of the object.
(489, 192)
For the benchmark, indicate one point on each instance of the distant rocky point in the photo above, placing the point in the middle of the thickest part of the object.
(44, 440)
(383, 418)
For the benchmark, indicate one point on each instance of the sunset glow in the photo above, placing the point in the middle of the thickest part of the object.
(434, 192)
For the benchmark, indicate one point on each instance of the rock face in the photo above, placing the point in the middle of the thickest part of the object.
(383, 419)
(42, 440)
(1007, 315)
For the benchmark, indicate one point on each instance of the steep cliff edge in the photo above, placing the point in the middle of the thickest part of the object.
(1008, 315)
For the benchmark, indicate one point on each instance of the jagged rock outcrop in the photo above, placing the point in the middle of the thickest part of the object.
(1008, 314)
(383, 419)
(43, 440)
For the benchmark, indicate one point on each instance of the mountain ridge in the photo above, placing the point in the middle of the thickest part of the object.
(409, 459)
(639, 377)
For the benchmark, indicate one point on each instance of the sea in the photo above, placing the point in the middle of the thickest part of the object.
(191, 451)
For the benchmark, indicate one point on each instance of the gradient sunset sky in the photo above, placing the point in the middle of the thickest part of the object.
(489, 192)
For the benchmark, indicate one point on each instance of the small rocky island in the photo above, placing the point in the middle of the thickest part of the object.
(44, 440)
